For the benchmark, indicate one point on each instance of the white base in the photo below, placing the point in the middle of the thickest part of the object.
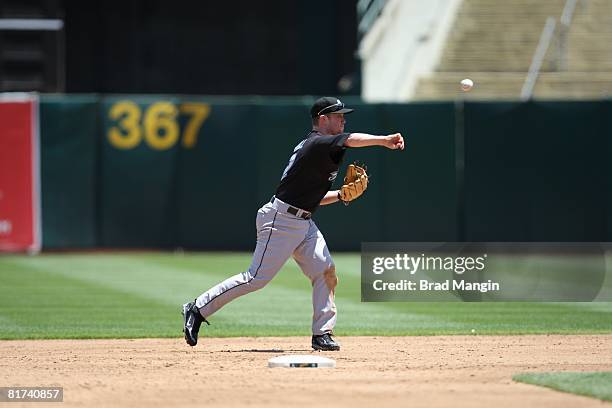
(301, 361)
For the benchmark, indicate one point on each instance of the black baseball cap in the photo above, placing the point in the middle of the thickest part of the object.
(328, 104)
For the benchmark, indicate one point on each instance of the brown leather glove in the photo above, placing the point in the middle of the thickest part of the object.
(355, 183)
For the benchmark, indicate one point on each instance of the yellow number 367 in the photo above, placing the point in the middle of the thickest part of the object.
(159, 127)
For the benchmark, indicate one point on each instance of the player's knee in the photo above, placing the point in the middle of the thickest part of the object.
(256, 284)
(331, 279)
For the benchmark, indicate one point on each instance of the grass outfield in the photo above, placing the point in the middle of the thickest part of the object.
(129, 295)
(598, 385)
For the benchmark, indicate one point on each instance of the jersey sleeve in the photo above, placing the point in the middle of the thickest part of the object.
(340, 139)
(334, 143)
(337, 147)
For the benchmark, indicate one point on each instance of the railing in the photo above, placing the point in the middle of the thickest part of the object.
(538, 58)
(367, 12)
(566, 21)
(543, 45)
(22, 24)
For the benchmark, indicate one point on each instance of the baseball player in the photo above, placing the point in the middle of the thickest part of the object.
(285, 227)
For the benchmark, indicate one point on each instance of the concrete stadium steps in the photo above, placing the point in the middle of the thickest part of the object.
(504, 62)
(498, 36)
(574, 85)
(508, 85)
(590, 37)
(487, 85)
(493, 42)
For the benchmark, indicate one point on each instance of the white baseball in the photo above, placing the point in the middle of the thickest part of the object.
(467, 84)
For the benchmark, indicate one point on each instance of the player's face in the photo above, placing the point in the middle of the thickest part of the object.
(336, 123)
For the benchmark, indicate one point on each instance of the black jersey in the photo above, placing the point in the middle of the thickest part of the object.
(312, 169)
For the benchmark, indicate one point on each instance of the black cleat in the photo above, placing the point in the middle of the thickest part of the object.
(192, 321)
(325, 343)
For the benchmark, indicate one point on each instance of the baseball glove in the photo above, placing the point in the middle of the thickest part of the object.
(355, 183)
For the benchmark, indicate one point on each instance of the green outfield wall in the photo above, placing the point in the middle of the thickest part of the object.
(69, 151)
(177, 171)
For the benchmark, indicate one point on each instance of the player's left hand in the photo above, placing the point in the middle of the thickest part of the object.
(355, 183)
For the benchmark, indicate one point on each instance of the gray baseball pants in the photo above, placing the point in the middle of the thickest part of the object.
(280, 235)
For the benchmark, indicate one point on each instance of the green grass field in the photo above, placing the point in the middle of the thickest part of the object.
(598, 385)
(129, 295)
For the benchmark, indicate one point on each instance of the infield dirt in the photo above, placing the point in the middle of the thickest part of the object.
(440, 371)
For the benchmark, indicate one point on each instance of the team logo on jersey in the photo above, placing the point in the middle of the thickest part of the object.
(333, 175)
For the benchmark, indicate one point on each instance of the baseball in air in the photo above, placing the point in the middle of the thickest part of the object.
(466, 84)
